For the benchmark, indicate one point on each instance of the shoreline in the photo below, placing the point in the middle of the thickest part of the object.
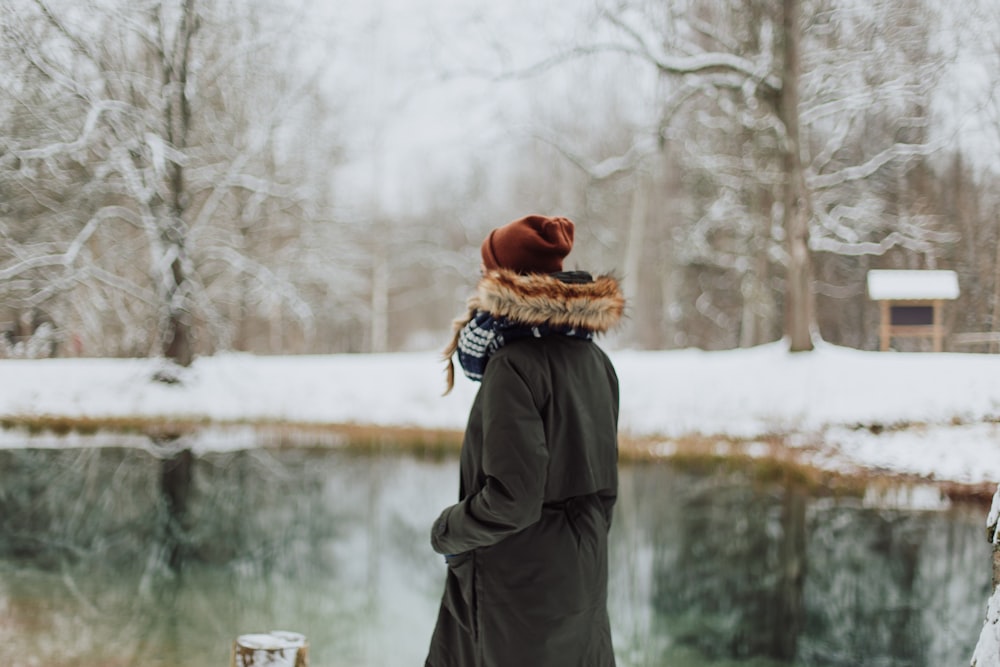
(835, 414)
(788, 457)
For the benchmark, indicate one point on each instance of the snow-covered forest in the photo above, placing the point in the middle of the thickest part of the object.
(180, 177)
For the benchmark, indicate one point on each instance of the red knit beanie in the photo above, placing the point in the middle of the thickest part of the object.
(535, 244)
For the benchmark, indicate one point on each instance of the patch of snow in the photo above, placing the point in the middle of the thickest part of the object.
(757, 450)
(920, 497)
(967, 454)
(274, 640)
(987, 652)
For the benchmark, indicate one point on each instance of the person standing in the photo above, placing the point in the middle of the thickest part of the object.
(526, 546)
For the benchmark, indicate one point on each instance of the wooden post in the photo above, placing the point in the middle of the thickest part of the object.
(884, 326)
(273, 649)
(938, 327)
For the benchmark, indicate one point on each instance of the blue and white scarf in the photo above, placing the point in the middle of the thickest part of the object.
(485, 334)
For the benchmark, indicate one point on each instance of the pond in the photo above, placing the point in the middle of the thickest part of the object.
(114, 556)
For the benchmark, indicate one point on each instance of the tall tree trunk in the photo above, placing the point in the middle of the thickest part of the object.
(380, 300)
(178, 343)
(178, 339)
(799, 300)
(634, 245)
(995, 319)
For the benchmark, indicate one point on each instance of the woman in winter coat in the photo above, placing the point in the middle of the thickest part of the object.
(526, 546)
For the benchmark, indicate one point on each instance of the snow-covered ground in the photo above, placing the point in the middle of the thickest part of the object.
(933, 415)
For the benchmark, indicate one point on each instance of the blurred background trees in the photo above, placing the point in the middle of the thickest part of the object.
(179, 177)
(157, 174)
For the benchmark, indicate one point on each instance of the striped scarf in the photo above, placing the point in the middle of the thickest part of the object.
(485, 334)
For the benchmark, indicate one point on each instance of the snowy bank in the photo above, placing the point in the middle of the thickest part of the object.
(987, 653)
(933, 415)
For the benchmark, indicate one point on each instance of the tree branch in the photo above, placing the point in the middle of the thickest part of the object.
(698, 63)
(609, 167)
(82, 47)
(872, 165)
(52, 150)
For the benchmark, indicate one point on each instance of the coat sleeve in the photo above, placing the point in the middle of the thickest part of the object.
(515, 461)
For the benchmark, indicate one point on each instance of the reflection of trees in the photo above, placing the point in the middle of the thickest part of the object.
(153, 552)
(868, 589)
(176, 476)
(789, 610)
(637, 532)
(890, 586)
(132, 554)
(733, 588)
(59, 506)
(706, 568)
(739, 572)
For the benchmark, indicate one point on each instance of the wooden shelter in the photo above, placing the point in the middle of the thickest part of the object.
(911, 303)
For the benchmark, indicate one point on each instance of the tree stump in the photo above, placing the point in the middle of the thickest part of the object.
(272, 649)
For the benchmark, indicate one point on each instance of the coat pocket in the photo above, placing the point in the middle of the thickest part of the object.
(460, 591)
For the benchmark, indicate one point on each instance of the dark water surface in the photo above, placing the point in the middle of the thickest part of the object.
(113, 557)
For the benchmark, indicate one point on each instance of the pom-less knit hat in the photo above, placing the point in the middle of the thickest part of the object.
(534, 244)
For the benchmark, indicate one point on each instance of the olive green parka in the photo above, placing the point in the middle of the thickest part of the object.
(528, 540)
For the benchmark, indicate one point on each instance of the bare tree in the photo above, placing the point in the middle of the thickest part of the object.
(168, 129)
(974, 188)
(779, 73)
(799, 304)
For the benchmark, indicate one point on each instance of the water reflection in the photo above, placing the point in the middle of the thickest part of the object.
(116, 557)
(723, 572)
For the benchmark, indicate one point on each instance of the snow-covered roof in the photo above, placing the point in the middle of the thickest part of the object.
(918, 284)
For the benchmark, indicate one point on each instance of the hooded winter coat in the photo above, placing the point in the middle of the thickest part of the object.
(528, 540)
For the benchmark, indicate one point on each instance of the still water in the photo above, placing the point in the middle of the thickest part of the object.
(112, 557)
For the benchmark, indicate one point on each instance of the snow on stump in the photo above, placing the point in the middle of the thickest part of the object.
(273, 649)
(988, 649)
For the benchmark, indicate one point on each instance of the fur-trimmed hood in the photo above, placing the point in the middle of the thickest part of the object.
(573, 299)
(538, 298)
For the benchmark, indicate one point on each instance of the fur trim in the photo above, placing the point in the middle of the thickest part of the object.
(537, 298)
